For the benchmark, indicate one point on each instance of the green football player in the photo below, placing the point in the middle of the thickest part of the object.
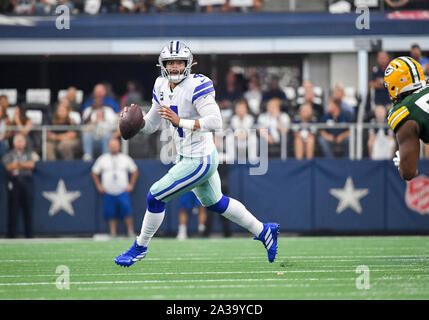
(405, 81)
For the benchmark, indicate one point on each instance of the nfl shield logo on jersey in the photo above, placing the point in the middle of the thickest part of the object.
(417, 194)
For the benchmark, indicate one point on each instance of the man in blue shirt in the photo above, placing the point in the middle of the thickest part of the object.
(377, 79)
(100, 92)
(416, 53)
(335, 137)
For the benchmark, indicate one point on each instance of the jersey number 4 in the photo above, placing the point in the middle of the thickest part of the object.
(179, 130)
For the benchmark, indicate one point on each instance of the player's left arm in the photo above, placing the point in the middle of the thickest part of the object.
(209, 111)
(409, 149)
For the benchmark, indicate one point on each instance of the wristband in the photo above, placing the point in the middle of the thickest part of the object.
(187, 124)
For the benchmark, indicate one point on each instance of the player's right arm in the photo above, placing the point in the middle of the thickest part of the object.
(409, 149)
(152, 118)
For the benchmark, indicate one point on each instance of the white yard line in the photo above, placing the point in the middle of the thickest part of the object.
(199, 281)
(247, 258)
(120, 274)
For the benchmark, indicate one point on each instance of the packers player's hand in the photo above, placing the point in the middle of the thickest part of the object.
(397, 159)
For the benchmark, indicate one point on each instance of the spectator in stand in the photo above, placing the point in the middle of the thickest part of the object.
(19, 165)
(381, 143)
(335, 137)
(273, 124)
(309, 97)
(242, 123)
(228, 96)
(109, 90)
(338, 96)
(24, 125)
(71, 97)
(23, 6)
(304, 132)
(274, 91)
(62, 142)
(407, 4)
(242, 119)
(253, 95)
(43, 7)
(115, 186)
(377, 79)
(227, 7)
(165, 5)
(100, 121)
(416, 53)
(4, 121)
(133, 6)
(100, 92)
(131, 96)
(209, 8)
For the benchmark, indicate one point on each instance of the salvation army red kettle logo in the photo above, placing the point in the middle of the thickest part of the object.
(417, 194)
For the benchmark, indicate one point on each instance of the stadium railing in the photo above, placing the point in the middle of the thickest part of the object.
(355, 130)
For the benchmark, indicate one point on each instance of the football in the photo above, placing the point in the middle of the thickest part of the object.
(131, 122)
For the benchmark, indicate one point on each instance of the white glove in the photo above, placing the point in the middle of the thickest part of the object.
(396, 159)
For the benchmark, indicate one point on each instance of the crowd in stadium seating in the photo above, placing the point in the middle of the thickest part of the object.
(46, 7)
(251, 108)
(269, 112)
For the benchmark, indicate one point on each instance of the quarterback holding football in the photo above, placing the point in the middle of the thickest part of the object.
(188, 101)
(409, 118)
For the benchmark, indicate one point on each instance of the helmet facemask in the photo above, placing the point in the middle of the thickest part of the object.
(173, 77)
(175, 50)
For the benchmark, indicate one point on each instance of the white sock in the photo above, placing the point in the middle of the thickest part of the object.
(182, 228)
(201, 227)
(150, 225)
(237, 213)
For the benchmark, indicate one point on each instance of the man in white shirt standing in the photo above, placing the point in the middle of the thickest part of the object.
(116, 186)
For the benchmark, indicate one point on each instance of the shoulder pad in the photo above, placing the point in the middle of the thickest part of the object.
(202, 85)
(396, 116)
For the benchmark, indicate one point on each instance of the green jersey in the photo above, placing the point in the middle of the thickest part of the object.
(413, 107)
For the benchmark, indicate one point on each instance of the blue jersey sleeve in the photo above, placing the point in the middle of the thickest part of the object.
(203, 86)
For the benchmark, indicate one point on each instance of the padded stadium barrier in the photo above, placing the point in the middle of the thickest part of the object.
(319, 195)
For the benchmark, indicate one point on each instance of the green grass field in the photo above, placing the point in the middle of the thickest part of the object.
(227, 269)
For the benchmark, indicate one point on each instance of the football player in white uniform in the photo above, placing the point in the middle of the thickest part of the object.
(188, 101)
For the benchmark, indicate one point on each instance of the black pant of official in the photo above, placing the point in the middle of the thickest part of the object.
(20, 199)
(226, 229)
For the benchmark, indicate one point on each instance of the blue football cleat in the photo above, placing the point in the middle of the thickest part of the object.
(133, 254)
(268, 237)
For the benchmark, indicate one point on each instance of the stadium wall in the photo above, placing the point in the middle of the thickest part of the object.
(303, 196)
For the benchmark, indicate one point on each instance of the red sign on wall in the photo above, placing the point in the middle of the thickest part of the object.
(417, 194)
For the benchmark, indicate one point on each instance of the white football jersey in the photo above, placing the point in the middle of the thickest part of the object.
(182, 100)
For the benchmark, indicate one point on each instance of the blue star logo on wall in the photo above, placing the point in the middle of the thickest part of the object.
(349, 197)
(61, 199)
